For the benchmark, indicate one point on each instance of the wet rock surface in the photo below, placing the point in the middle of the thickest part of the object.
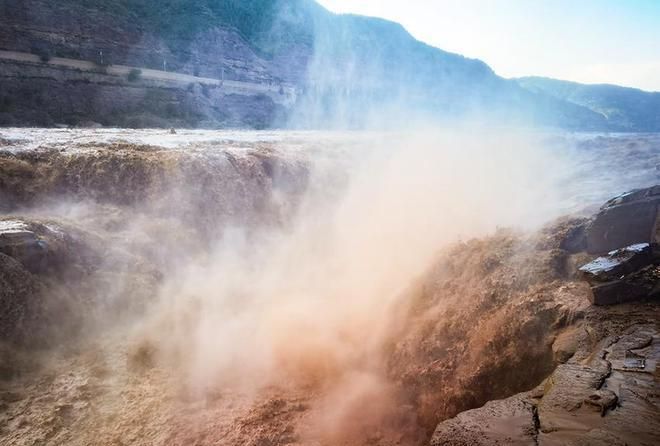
(619, 263)
(604, 390)
(592, 399)
(625, 228)
(625, 275)
(510, 421)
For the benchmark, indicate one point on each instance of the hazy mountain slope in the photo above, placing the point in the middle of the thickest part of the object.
(626, 109)
(349, 70)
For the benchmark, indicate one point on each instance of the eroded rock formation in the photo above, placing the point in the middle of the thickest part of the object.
(597, 397)
(605, 389)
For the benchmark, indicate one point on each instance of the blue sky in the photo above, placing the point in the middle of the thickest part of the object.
(591, 41)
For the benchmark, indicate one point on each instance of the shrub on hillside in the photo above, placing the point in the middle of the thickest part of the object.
(134, 75)
(6, 104)
(43, 53)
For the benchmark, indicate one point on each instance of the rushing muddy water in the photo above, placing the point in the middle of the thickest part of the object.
(601, 164)
(286, 287)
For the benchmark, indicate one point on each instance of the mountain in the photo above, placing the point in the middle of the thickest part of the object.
(245, 63)
(626, 109)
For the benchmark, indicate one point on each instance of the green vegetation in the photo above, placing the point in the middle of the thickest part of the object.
(42, 52)
(6, 104)
(134, 75)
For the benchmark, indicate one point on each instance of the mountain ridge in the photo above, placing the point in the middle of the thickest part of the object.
(627, 108)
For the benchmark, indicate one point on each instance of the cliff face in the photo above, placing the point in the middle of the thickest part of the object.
(40, 93)
(46, 95)
(85, 31)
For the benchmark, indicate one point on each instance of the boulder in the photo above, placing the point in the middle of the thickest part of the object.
(628, 229)
(619, 263)
(618, 292)
(23, 244)
(55, 278)
(628, 219)
(37, 260)
(624, 275)
(568, 342)
(510, 421)
(49, 247)
(602, 401)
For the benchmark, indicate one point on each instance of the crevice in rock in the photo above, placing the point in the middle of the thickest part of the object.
(608, 365)
(537, 424)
